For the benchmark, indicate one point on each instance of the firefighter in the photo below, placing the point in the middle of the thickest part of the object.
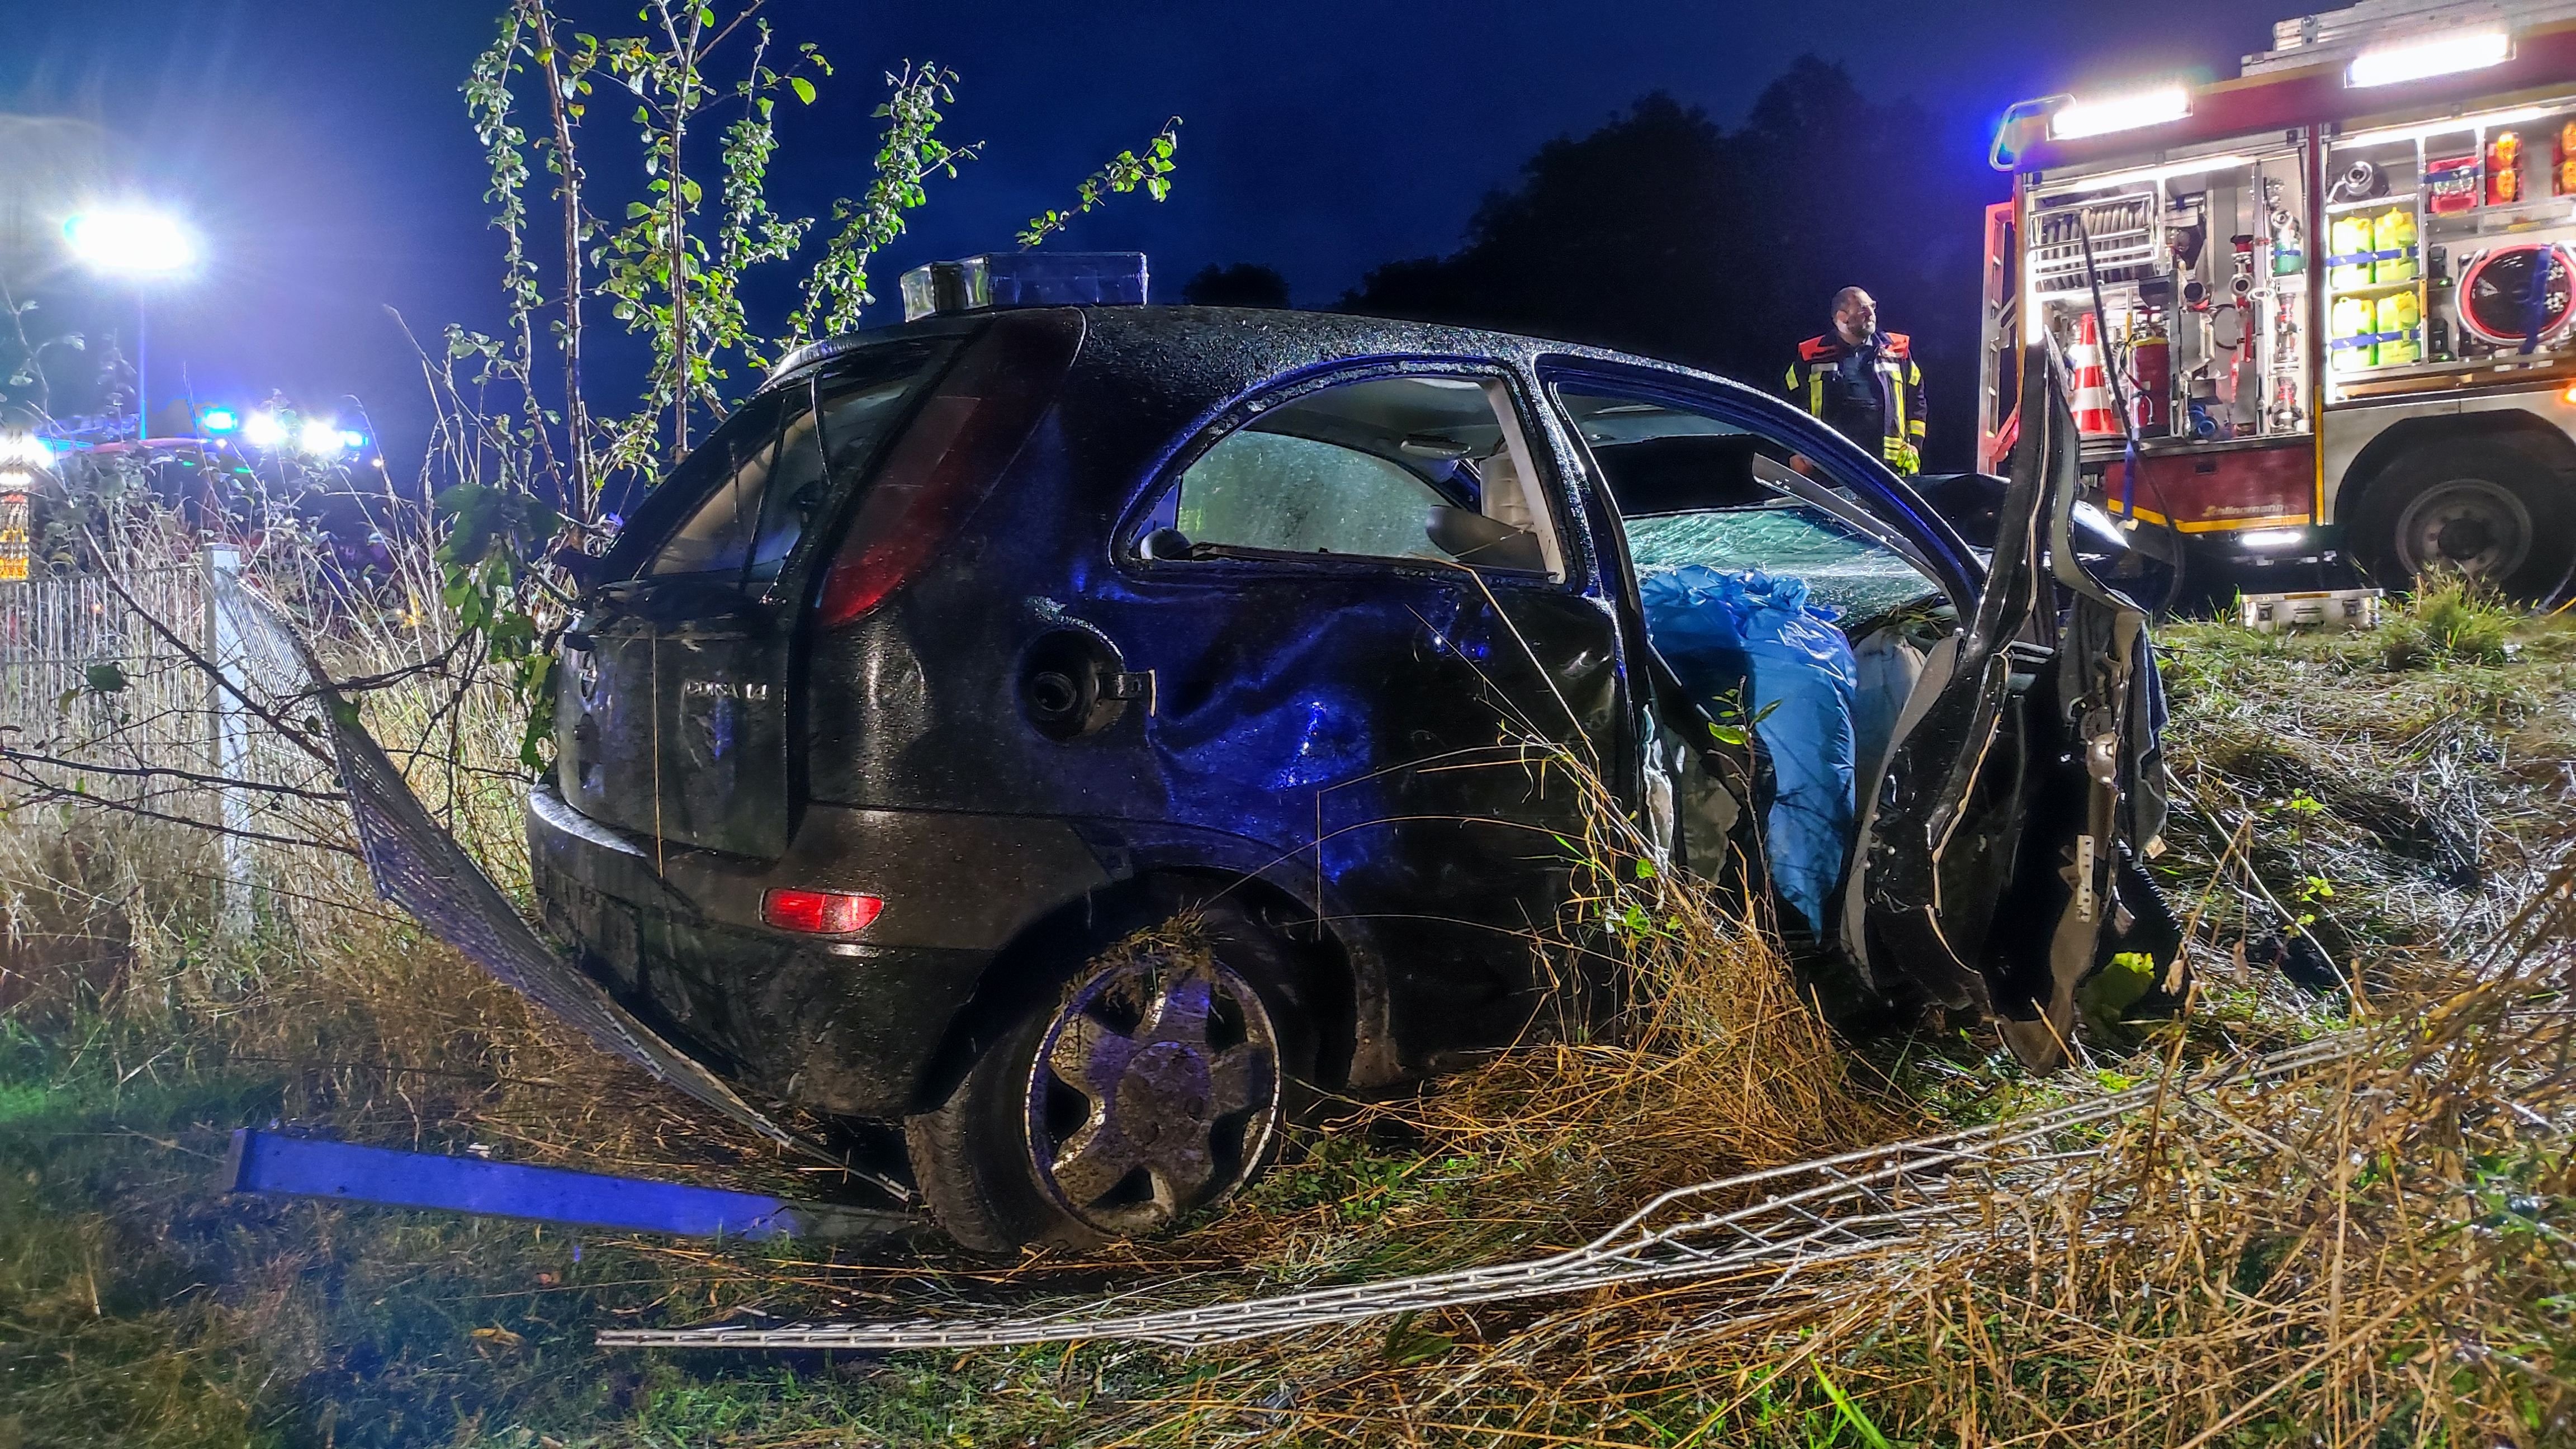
(1863, 383)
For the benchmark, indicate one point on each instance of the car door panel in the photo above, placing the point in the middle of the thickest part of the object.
(2011, 814)
(1398, 727)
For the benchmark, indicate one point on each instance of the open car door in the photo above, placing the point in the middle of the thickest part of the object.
(1998, 860)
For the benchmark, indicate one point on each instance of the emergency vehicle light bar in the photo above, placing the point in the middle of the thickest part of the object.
(1025, 279)
(2446, 54)
(2126, 112)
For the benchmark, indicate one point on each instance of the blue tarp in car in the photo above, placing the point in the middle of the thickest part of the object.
(1750, 643)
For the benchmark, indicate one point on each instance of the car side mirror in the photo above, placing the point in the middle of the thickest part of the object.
(1472, 538)
(1164, 545)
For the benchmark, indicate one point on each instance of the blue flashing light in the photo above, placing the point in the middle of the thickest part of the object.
(219, 420)
(353, 440)
(1025, 279)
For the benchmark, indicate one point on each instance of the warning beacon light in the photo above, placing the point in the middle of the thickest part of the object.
(1024, 279)
(319, 436)
(22, 455)
(2126, 111)
(219, 421)
(2430, 55)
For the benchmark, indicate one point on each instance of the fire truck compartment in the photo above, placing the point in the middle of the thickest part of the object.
(2201, 490)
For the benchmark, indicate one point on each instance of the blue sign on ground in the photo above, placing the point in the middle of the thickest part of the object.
(270, 1162)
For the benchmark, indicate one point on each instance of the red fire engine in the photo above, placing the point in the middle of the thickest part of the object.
(2332, 295)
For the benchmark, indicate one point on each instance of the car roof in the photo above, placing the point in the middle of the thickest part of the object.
(1245, 345)
(1145, 380)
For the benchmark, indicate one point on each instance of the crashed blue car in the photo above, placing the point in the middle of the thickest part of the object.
(973, 647)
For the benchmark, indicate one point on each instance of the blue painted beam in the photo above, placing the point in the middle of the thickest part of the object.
(272, 1163)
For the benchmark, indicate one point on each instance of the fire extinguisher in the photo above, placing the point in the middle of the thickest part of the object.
(2151, 365)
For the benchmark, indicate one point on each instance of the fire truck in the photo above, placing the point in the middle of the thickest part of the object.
(2320, 309)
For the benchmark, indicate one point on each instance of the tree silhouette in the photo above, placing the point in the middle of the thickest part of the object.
(1666, 234)
(1245, 284)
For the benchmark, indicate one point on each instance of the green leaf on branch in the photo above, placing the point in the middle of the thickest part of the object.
(1125, 172)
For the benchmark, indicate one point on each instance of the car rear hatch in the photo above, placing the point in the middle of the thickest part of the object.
(678, 718)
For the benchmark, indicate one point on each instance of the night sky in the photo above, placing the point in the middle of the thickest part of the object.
(323, 152)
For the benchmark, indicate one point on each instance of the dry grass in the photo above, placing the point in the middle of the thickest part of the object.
(2375, 1251)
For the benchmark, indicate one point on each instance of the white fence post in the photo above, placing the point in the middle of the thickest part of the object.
(232, 741)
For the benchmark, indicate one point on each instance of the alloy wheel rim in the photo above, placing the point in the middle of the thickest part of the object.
(2470, 525)
(1154, 1092)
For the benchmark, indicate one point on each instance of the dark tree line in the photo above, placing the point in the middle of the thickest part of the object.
(1666, 234)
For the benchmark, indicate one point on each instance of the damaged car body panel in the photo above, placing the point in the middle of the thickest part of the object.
(2000, 861)
(1298, 642)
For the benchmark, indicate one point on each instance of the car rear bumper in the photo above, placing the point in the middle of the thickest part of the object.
(844, 1026)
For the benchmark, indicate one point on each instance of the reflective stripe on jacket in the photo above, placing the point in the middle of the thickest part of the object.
(1900, 385)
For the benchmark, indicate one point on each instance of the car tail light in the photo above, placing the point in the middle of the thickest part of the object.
(820, 913)
(948, 460)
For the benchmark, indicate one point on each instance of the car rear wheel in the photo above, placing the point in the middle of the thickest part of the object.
(1149, 1087)
(2483, 509)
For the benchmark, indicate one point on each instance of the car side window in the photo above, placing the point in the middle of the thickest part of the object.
(1278, 492)
(1694, 490)
(1431, 468)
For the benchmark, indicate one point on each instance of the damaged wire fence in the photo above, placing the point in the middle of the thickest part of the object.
(1883, 1202)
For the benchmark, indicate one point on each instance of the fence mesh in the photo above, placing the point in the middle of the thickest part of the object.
(85, 677)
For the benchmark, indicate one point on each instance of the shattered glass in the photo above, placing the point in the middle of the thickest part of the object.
(1854, 576)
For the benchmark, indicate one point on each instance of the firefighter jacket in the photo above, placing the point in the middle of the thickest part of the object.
(1819, 381)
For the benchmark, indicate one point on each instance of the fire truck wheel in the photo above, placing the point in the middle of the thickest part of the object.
(2485, 509)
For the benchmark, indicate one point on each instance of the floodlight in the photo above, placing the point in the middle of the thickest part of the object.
(2127, 112)
(264, 430)
(318, 436)
(2430, 55)
(130, 243)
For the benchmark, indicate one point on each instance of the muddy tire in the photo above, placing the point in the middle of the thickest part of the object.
(2487, 508)
(1151, 1085)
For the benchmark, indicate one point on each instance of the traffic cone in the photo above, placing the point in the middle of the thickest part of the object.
(2093, 414)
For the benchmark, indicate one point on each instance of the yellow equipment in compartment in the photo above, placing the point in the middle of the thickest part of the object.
(2392, 244)
(2352, 325)
(2400, 322)
(2349, 244)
